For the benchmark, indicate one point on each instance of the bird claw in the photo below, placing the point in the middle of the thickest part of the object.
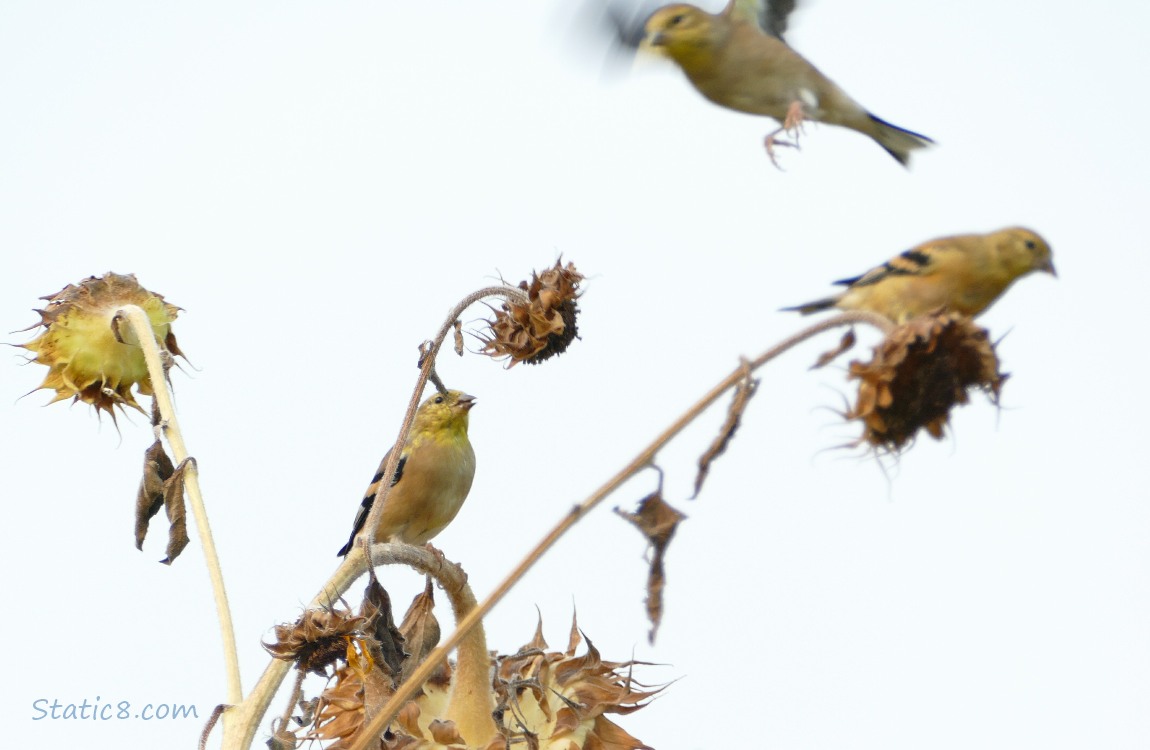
(773, 140)
(792, 126)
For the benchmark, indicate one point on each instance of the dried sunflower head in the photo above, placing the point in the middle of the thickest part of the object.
(919, 372)
(319, 638)
(82, 345)
(544, 326)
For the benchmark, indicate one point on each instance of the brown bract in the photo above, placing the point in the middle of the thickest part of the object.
(919, 372)
(88, 355)
(542, 328)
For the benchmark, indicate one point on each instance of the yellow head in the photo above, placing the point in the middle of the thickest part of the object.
(1023, 251)
(682, 31)
(443, 414)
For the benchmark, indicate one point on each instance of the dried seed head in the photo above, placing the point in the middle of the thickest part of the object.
(82, 347)
(919, 372)
(544, 326)
(319, 638)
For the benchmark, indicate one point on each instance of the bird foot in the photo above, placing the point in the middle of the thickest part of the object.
(773, 140)
(439, 556)
(792, 126)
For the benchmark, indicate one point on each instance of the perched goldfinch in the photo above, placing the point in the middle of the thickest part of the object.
(737, 58)
(964, 274)
(432, 478)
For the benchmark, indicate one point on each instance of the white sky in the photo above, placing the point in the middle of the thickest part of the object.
(317, 183)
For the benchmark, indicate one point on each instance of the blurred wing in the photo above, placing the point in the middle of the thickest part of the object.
(770, 15)
(916, 262)
(625, 23)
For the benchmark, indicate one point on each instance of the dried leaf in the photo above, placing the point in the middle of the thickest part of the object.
(420, 629)
(385, 642)
(848, 340)
(458, 337)
(177, 513)
(150, 497)
(743, 392)
(657, 521)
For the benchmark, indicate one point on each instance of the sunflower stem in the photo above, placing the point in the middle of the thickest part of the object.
(169, 428)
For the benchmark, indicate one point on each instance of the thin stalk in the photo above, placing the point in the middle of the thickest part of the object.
(169, 428)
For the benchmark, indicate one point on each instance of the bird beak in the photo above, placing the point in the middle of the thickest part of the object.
(658, 39)
(1049, 268)
(466, 402)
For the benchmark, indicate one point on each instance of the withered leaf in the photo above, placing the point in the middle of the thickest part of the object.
(150, 497)
(458, 324)
(847, 341)
(387, 649)
(177, 513)
(744, 389)
(657, 521)
(420, 629)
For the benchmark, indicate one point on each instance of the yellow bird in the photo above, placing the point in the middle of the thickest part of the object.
(737, 58)
(965, 273)
(432, 479)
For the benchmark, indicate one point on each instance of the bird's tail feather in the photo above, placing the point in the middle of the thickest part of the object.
(897, 141)
(813, 307)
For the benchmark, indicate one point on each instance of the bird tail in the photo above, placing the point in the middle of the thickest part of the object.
(813, 307)
(897, 141)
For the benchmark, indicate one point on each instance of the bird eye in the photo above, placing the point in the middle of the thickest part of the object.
(1031, 245)
(439, 399)
(676, 20)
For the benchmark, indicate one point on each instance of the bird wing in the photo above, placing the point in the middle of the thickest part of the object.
(918, 261)
(369, 498)
(770, 15)
(627, 24)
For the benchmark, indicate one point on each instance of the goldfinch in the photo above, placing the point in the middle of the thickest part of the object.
(432, 479)
(964, 274)
(737, 58)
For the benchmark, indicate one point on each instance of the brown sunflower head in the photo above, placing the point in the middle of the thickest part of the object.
(319, 638)
(919, 372)
(83, 343)
(542, 327)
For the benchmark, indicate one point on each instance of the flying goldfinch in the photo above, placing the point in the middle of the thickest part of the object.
(737, 58)
(433, 476)
(965, 273)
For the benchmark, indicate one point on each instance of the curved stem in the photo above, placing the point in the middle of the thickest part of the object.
(475, 617)
(169, 427)
(426, 370)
